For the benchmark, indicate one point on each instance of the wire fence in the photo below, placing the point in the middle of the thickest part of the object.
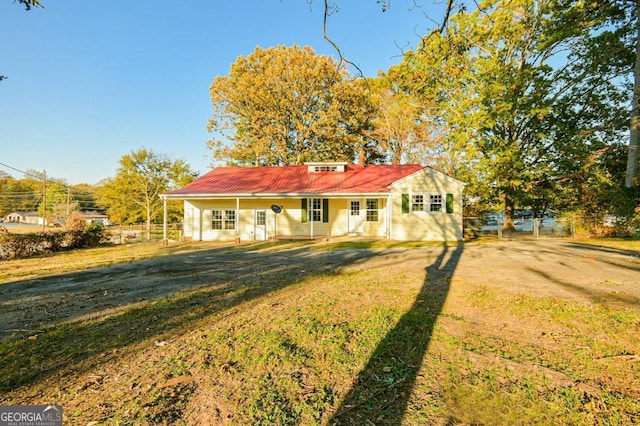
(124, 234)
(475, 227)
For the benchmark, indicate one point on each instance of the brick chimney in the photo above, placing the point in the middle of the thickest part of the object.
(361, 158)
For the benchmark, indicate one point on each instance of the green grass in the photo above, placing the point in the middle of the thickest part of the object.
(364, 344)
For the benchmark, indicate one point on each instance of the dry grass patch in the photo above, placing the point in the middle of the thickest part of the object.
(375, 340)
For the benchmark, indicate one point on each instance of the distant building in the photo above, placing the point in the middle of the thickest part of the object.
(30, 217)
(91, 217)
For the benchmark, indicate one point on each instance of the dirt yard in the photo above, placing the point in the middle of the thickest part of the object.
(121, 305)
(556, 268)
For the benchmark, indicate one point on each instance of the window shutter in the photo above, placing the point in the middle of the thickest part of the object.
(303, 208)
(449, 203)
(405, 203)
(325, 210)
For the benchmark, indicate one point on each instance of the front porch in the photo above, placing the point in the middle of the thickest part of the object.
(254, 219)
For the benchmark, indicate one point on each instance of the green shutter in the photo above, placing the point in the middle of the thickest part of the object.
(405, 203)
(303, 208)
(449, 203)
(325, 210)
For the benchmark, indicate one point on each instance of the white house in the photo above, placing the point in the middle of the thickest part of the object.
(30, 217)
(399, 202)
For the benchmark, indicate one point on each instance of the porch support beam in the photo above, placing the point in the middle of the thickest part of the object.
(237, 220)
(165, 240)
(310, 213)
(389, 216)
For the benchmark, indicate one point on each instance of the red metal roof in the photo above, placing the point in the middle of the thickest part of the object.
(297, 180)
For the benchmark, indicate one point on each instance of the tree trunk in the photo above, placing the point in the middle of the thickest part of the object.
(508, 214)
(634, 137)
(148, 221)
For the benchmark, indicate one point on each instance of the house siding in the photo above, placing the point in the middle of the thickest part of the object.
(401, 214)
(424, 226)
(197, 219)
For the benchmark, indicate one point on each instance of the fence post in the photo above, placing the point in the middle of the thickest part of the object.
(573, 227)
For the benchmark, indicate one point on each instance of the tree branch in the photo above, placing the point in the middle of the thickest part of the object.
(343, 59)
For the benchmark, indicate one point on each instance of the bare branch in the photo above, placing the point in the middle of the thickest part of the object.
(343, 59)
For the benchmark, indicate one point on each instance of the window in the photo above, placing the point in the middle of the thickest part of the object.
(429, 203)
(261, 218)
(316, 210)
(223, 219)
(355, 208)
(326, 168)
(216, 219)
(417, 202)
(372, 210)
(435, 202)
(229, 219)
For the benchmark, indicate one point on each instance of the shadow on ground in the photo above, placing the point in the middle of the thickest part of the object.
(381, 391)
(106, 311)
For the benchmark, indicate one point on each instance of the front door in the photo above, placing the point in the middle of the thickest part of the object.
(260, 225)
(356, 217)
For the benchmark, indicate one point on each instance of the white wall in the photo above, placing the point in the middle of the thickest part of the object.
(422, 225)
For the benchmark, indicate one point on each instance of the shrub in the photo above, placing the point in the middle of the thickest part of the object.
(27, 245)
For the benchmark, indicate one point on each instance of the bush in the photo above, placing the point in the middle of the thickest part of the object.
(27, 245)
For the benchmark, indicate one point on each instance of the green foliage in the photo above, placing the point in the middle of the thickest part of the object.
(287, 105)
(527, 100)
(132, 196)
(19, 194)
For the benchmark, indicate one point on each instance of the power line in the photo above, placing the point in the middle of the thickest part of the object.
(21, 171)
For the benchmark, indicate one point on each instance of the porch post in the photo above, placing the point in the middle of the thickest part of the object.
(165, 241)
(237, 220)
(389, 215)
(310, 212)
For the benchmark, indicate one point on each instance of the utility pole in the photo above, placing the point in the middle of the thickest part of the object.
(68, 199)
(44, 199)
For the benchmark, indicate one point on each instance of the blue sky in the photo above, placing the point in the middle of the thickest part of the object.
(92, 80)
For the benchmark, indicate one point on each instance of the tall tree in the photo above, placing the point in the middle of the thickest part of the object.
(402, 127)
(133, 194)
(634, 133)
(19, 194)
(287, 105)
(525, 96)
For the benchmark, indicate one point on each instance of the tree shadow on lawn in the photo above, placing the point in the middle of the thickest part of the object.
(600, 296)
(381, 391)
(621, 258)
(183, 289)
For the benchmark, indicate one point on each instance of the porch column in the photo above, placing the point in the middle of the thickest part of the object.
(237, 220)
(310, 213)
(165, 241)
(389, 216)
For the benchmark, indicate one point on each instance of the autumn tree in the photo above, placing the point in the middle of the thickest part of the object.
(402, 125)
(19, 194)
(527, 100)
(287, 105)
(59, 204)
(133, 194)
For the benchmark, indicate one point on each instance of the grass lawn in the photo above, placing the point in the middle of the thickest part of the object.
(372, 342)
